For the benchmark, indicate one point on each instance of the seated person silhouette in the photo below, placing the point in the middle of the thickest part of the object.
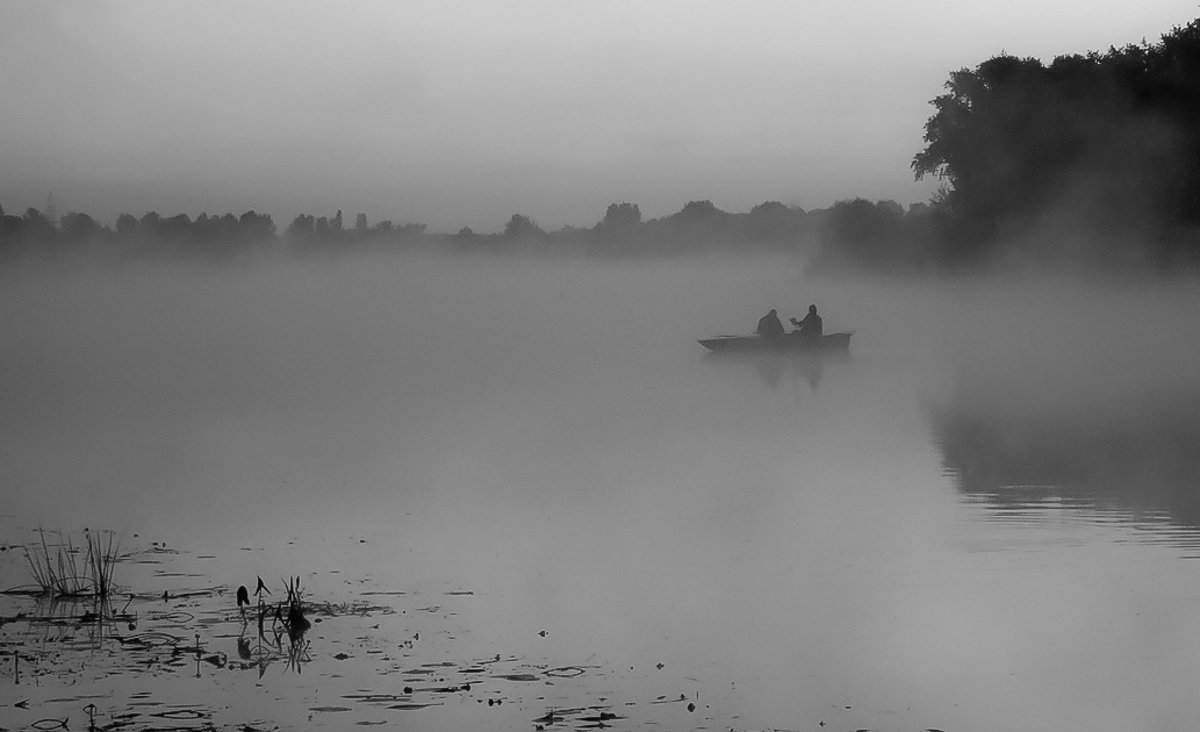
(769, 326)
(811, 326)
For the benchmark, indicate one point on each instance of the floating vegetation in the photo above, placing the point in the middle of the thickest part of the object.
(167, 636)
(151, 638)
(181, 714)
(177, 617)
(374, 698)
(565, 672)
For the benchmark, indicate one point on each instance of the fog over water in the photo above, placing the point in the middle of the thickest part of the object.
(976, 519)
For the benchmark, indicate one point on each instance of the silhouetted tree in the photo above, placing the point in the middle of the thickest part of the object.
(11, 229)
(206, 228)
(177, 227)
(228, 225)
(619, 230)
(773, 221)
(127, 226)
(522, 227)
(302, 228)
(36, 225)
(865, 235)
(254, 226)
(149, 224)
(79, 227)
(620, 218)
(698, 212)
(697, 223)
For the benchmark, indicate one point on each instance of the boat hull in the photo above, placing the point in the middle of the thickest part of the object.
(783, 344)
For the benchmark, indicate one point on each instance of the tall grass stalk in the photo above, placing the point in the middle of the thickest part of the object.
(57, 570)
(103, 549)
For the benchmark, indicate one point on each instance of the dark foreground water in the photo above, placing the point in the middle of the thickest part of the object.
(520, 495)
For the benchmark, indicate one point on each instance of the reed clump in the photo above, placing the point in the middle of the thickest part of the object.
(64, 568)
(295, 620)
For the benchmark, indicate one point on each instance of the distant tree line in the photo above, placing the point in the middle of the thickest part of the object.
(317, 231)
(698, 227)
(36, 231)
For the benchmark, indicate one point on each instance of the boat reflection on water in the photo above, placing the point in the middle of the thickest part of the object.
(779, 369)
(1119, 454)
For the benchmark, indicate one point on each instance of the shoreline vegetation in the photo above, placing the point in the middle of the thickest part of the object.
(1091, 161)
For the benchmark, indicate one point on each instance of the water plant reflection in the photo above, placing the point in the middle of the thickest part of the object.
(286, 619)
(76, 621)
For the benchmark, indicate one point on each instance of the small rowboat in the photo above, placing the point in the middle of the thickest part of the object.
(782, 344)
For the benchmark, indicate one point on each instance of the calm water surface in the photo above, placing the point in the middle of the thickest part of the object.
(535, 466)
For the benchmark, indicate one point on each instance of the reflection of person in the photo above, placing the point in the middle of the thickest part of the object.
(769, 325)
(770, 370)
(811, 369)
(811, 326)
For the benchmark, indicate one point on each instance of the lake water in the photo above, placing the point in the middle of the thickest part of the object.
(526, 497)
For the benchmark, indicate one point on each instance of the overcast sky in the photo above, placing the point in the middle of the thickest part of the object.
(457, 114)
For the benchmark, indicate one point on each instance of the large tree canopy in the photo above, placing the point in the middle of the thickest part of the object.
(1108, 140)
